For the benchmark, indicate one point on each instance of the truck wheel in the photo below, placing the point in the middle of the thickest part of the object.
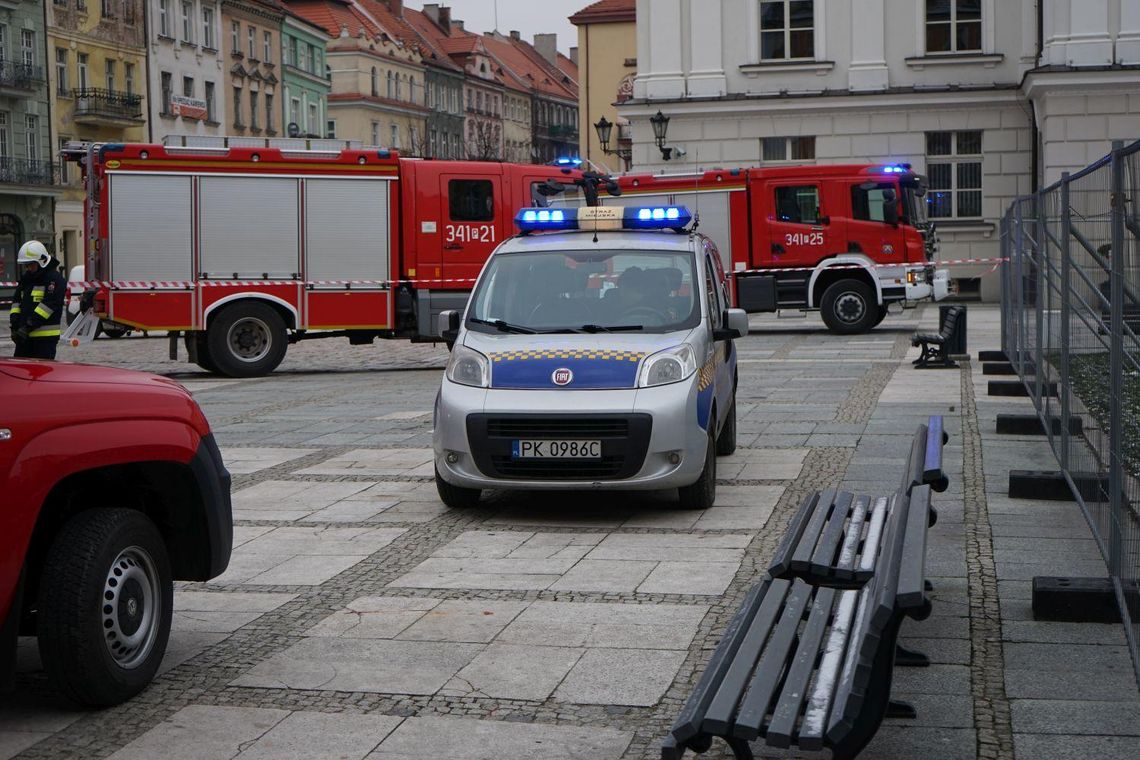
(702, 494)
(456, 497)
(114, 332)
(882, 315)
(246, 340)
(105, 603)
(205, 361)
(849, 307)
(726, 441)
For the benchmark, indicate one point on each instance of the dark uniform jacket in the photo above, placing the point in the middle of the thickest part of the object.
(38, 302)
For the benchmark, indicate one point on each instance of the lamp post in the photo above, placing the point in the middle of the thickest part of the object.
(604, 127)
(660, 124)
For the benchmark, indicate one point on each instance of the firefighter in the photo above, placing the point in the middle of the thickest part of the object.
(37, 305)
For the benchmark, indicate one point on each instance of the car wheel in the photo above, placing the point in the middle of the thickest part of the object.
(246, 340)
(456, 497)
(702, 494)
(849, 307)
(726, 441)
(105, 605)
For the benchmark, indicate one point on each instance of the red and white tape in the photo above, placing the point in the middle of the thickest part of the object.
(188, 284)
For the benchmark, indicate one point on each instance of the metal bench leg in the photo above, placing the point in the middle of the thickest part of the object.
(740, 749)
(896, 708)
(909, 658)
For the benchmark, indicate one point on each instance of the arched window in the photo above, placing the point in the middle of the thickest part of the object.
(399, 81)
(412, 89)
(375, 83)
(390, 85)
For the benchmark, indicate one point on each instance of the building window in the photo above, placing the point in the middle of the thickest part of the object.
(375, 83)
(167, 91)
(412, 89)
(798, 204)
(304, 57)
(82, 66)
(61, 71)
(295, 111)
(776, 149)
(237, 108)
(235, 38)
(187, 23)
(109, 74)
(953, 26)
(252, 43)
(210, 116)
(163, 18)
(395, 136)
(253, 124)
(64, 175)
(188, 86)
(129, 77)
(108, 8)
(954, 171)
(5, 140)
(208, 28)
(267, 47)
(390, 85)
(399, 79)
(787, 29)
(32, 137)
(28, 46)
(269, 112)
(3, 42)
(330, 129)
(375, 133)
(314, 117)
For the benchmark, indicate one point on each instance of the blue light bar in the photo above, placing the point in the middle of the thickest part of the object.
(603, 217)
(532, 219)
(656, 218)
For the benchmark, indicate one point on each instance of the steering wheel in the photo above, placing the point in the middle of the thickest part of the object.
(654, 316)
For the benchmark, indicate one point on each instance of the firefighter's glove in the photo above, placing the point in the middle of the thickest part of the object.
(20, 334)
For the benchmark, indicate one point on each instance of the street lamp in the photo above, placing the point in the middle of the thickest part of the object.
(660, 124)
(604, 127)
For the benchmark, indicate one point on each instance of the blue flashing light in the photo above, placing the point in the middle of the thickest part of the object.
(632, 218)
(535, 219)
(657, 218)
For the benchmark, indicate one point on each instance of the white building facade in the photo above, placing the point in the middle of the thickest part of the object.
(187, 78)
(989, 101)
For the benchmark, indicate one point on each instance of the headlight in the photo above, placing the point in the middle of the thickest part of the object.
(468, 367)
(669, 366)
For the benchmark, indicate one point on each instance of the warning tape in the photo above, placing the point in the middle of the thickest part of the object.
(348, 284)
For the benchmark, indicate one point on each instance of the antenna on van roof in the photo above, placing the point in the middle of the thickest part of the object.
(696, 189)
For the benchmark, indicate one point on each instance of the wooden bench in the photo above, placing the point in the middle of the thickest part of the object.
(934, 351)
(807, 660)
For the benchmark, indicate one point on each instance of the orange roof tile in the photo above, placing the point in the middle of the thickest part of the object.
(606, 12)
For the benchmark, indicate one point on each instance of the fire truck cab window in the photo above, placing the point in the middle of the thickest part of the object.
(798, 204)
(867, 201)
(471, 200)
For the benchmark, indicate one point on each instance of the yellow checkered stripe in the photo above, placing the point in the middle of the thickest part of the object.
(706, 374)
(606, 355)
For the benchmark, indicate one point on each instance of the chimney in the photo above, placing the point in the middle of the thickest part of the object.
(547, 47)
(445, 18)
(431, 10)
(574, 55)
(397, 8)
(458, 24)
(515, 34)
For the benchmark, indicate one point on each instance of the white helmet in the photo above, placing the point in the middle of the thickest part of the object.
(33, 251)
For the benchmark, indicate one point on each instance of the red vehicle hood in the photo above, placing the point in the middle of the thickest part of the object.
(63, 372)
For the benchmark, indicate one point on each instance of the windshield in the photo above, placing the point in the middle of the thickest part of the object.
(594, 291)
(914, 197)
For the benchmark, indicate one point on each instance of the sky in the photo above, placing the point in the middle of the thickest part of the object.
(530, 17)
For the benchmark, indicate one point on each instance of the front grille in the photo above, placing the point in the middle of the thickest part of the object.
(624, 437)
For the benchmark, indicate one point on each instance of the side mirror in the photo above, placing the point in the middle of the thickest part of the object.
(736, 325)
(448, 324)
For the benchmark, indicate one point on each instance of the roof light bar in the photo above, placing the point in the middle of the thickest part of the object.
(604, 217)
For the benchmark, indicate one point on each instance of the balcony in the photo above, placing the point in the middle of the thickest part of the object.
(109, 108)
(26, 171)
(19, 79)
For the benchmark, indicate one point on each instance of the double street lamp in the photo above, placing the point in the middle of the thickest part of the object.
(660, 123)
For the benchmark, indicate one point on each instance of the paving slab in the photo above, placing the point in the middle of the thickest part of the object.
(307, 735)
(620, 677)
(469, 739)
(377, 463)
(606, 625)
(245, 460)
(200, 732)
(222, 613)
(514, 671)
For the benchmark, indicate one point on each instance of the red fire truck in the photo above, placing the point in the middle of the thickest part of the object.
(239, 251)
(847, 240)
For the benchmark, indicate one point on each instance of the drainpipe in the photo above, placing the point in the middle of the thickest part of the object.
(1035, 133)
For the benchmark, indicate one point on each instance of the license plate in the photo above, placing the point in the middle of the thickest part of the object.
(547, 449)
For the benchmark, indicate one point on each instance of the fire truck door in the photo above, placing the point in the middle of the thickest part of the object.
(473, 220)
(869, 231)
(799, 231)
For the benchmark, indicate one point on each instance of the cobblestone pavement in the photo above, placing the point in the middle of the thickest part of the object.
(361, 618)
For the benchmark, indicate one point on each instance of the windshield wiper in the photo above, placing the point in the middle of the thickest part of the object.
(609, 328)
(502, 326)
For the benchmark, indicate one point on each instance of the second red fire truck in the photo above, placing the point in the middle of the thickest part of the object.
(240, 251)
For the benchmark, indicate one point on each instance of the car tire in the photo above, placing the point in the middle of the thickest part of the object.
(246, 339)
(726, 441)
(204, 360)
(702, 493)
(456, 497)
(105, 604)
(848, 307)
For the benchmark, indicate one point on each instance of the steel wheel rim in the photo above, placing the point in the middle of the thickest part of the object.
(850, 307)
(249, 339)
(132, 607)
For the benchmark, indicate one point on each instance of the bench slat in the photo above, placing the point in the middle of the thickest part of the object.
(688, 723)
(766, 679)
(782, 726)
(932, 462)
(916, 461)
(874, 534)
(887, 568)
(801, 557)
(823, 691)
(844, 567)
(782, 560)
(848, 698)
(823, 560)
(911, 589)
(718, 716)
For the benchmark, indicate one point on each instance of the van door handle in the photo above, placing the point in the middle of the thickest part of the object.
(777, 248)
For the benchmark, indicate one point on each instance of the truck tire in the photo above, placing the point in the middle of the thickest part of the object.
(112, 332)
(204, 360)
(702, 494)
(456, 497)
(246, 339)
(105, 604)
(882, 315)
(848, 307)
(726, 441)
